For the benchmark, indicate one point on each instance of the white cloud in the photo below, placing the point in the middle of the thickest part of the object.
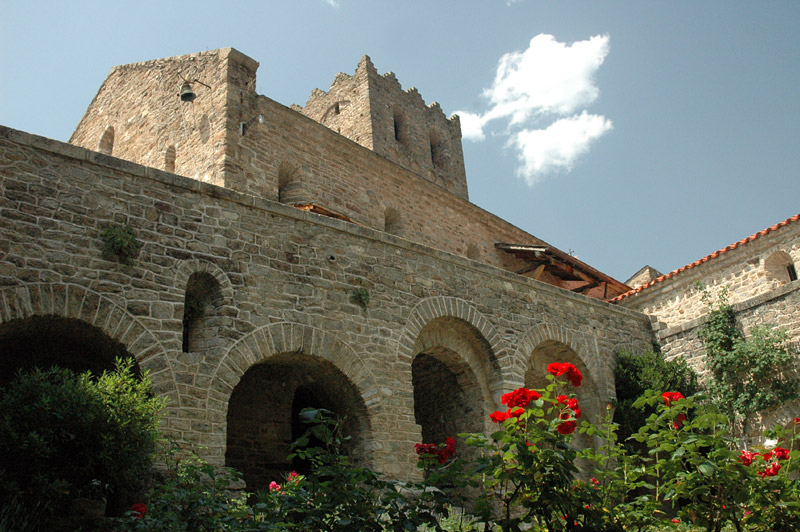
(556, 148)
(471, 126)
(332, 3)
(547, 81)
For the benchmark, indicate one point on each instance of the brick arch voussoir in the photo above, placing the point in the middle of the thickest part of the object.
(77, 302)
(432, 308)
(286, 337)
(189, 267)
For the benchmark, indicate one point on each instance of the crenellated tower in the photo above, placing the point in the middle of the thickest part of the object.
(374, 111)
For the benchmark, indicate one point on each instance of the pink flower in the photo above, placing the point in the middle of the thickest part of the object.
(274, 486)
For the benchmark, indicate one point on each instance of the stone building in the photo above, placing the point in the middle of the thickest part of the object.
(759, 273)
(323, 255)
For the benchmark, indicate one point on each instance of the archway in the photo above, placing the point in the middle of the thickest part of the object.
(201, 321)
(453, 374)
(549, 351)
(47, 341)
(262, 414)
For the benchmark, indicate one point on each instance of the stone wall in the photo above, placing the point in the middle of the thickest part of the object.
(375, 112)
(281, 281)
(284, 156)
(138, 115)
(756, 272)
(753, 267)
(778, 308)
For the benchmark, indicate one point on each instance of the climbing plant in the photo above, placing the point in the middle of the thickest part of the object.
(749, 375)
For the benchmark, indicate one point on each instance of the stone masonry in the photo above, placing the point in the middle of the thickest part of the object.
(759, 273)
(243, 307)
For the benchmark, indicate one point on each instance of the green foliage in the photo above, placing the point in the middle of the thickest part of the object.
(120, 241)
(636, 373)
(694, 462)
(527, 467)
(339, 496)
(360, 296)
(66, 436)
(620, 495)
(195, 496)
(749, 375)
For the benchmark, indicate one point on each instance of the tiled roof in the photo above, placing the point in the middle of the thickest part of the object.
(707, 258)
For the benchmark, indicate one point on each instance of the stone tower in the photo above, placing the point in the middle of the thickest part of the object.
(374, 111)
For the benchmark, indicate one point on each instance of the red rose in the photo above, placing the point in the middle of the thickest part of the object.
(520, 397)
(747, 457)
(567, 427)
(443, 455)
(771, 471)
(139, 510)
(565, 368)
(570, 403)
(670, 397)
(678, 423)
(499, 417)
(780, 453)
(425, 448)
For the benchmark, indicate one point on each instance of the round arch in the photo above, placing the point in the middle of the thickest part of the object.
(187, 268)
(281, 343)
(75, 302)
(591, 363)
(434, 308)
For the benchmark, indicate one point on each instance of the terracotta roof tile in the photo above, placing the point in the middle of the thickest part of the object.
(707, 258)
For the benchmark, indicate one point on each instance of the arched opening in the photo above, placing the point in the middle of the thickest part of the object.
(454, 375)
(106, 144)
(169, 159)
(437, 149)
(47, 341)
(201, 320)
(443, 404)
(400, 127)
(780, 268)
(589, 400)
(392, 222)
(263, 414)
(288, 183)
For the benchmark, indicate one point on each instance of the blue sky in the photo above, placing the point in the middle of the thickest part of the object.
(627, 132)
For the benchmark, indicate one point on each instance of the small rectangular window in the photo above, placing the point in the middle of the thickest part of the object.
(792, 272)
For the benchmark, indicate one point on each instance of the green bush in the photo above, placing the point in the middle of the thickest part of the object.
(634, 374)
(120, 242)
(67, 436)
